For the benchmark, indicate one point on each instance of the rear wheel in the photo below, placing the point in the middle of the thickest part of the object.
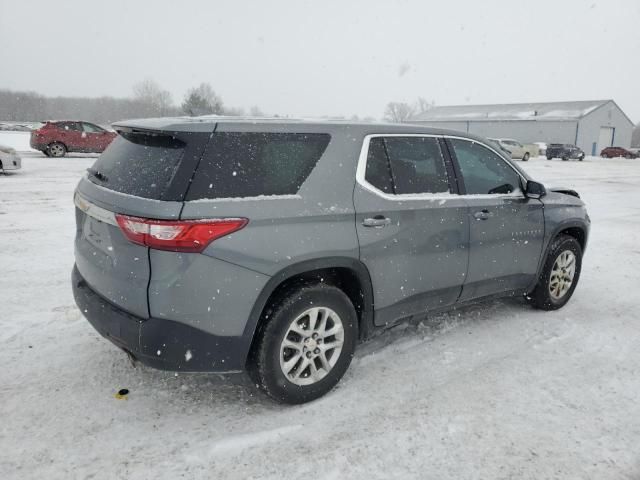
(549, 157)
(307, 344)
(560, 274)
(57, 149)
(565, 158)
(526, 157)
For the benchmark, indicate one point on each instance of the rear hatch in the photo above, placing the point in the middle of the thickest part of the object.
(142, 173)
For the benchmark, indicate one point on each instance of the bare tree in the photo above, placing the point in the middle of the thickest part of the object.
(256, 112)
(397, 112)
(150, 94)
(422, 105)
(202, 100)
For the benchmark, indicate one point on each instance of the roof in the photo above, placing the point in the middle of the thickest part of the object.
(289, 125)
(563, 111)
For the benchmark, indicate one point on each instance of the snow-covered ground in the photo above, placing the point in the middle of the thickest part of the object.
(494, 391)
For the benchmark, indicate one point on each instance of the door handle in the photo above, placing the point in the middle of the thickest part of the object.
(483, 214)
(378, 221)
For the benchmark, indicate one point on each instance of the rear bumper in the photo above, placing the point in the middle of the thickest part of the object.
(159, 343)
(10, 161)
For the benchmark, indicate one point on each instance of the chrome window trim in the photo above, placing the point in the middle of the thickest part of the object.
(362, 168)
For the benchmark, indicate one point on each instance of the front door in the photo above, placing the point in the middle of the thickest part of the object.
(506, 229)
(412, 227)
(94, 138)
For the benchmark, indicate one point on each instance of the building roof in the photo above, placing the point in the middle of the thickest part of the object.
(563, 111)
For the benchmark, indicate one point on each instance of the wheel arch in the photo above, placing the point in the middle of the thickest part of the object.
(574, 228)
(342, 272)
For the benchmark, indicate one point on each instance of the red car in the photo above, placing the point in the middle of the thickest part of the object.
(55, 139)
(611, 152)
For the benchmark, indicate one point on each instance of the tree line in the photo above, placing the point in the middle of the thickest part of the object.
(149, 99)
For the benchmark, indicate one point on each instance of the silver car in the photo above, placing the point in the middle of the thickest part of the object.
(9, 159)
(271, 246)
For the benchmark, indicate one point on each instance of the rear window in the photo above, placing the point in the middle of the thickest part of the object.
(237, 165)
(138, 164)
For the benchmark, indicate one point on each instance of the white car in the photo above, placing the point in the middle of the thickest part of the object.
(9, 159)
(517, 149)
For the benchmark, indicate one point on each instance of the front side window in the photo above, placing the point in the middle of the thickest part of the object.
(483, 171)
(90, 128)
(406, 165)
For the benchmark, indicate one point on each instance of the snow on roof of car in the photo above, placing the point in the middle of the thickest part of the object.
(514, 111)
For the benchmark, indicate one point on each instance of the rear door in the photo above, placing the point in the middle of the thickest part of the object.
(142, 175)
(70, 133)
(506, 229)
(411, 225)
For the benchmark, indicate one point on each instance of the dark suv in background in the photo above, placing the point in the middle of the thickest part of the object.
(273, 246)
(565, 151)
(55, 139)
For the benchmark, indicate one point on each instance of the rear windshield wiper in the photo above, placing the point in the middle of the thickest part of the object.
(99, 175)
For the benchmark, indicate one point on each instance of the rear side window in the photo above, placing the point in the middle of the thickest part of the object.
(68, 126)
(138, 164)
(237, 165)
(406, 165)
(417, 165)
(378, 171)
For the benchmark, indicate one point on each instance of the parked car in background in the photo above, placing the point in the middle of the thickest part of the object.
(516, 149)
(367, 225)
(56, 139)
(9, 159)
(565, 151)
(611, 152)
(542, 148)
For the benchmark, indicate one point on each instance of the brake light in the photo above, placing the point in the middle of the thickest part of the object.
(177, 235)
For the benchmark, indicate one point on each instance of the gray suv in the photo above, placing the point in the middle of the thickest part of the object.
(224, 245)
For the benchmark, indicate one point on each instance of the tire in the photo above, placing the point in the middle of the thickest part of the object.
(580, 159)
(274, 366)
(526, 157)
(627, 156)
(547, 297)
(549, 157)
(57, 150)
(46, 152)
(565, 158)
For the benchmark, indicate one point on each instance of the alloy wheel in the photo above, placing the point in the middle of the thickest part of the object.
(562, 273)
(312, 346)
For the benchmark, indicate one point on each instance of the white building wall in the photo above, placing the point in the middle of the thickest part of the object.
(608, 115)
(526, 131)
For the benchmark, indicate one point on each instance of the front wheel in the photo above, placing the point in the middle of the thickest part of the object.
(549, 157)
(307, 344)
(560, 274)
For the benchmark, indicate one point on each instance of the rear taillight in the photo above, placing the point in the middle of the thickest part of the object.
(177, 235)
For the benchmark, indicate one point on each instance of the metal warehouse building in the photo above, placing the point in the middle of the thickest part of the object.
(591, 125)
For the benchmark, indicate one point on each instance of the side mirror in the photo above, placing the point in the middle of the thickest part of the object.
(535, 190)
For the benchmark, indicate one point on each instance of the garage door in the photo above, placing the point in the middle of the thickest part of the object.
(606, 138)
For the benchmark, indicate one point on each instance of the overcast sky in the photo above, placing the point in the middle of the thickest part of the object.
(325, 57)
